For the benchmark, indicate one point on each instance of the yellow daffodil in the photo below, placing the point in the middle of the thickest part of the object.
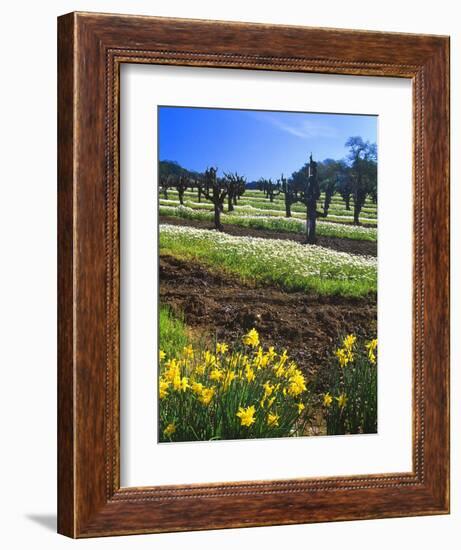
(327, 400)
(230, 375)
(273, 420)
(284, 357)
(246, 415)
(197, 387)
(371, 347)
(200, 370)
(235, 360)
(184, 384)
(249, 374)
(349, 341)
(170, 429)
(222, 348)
(280, 371)
(210, 359)
(210, 377)
(163, 388)
(297, 384)
(177, 383)
(291, 370)
(172, 370)
(216, 375)
(343, 357)
(271, 354)
(188, 351)
(268, 389)
(180, 384)
(257, 359)
(206, 396)
(251, 338)
(342, 400)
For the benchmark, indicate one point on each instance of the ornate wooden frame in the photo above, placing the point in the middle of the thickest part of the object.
(91, 49)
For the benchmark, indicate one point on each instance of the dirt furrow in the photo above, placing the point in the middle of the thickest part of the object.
(308, 326)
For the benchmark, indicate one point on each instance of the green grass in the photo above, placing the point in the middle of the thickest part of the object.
(337, 202)
(258, 205)
(284, 263)
(335, 208)
(274, 223)
(270, 209)
(172, 332)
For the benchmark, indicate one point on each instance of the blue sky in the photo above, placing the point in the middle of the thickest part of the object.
(256, 143)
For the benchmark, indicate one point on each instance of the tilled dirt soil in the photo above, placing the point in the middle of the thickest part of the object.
(353, 246)
(308, 326)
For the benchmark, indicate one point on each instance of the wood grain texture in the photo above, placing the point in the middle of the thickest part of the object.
(66, 510)
(91, 49)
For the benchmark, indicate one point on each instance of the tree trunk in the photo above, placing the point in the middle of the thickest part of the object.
(348, 200)
(165, 193)
(199, 194)
(217, 217)
(358, 203)
(311, 224)
(287, 207)
(307, 224)
(230, 205)
(356, 214)
(235, 200)
(326, 205)
(272, 197)
(181, 197)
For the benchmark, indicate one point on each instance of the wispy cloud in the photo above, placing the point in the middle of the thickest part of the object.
(298, 125)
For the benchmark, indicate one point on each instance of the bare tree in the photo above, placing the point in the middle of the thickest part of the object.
(309, 195)
(330, 189)
(363, 156)
(287, 188)
(182, 183)
(241, 188)
(214, 191)
(235, 186)
(164, 184)
(270, 188)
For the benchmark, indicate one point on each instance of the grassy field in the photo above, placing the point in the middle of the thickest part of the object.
(275, 223)
(172, 332)
(256, 201)
(269, 210)
(300, 299)
(287, 264)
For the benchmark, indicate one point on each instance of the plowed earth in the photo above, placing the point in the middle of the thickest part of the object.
(307, 326)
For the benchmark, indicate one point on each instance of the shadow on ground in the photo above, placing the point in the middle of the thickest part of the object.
(47, 521)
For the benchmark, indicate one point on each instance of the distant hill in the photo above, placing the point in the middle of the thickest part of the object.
(173, 168)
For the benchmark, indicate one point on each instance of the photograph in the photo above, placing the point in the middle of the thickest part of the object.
(267, 278)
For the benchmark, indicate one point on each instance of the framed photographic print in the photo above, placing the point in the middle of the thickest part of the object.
(247, 213)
